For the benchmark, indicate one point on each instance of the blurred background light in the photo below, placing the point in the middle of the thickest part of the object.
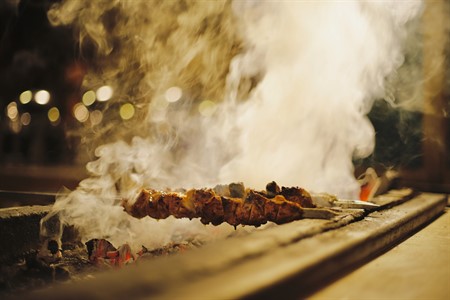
(88, 98)
(53, 114)
(80, 112)
(11, 111)
(42, 97)
(25, 97)
(207, 108)
(104, 93)
(96, 117)
(173, 94)
(25, 119)
(126, 111)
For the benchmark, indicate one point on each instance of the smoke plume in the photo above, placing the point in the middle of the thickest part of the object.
(269, 91)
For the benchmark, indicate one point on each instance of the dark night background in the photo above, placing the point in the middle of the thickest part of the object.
(36, 56)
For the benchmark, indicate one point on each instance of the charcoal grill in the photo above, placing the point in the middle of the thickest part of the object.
(290, 260)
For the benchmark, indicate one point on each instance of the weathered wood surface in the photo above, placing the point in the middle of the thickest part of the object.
(418, 268)
(394, 197)
(303, 266)
(278, 261)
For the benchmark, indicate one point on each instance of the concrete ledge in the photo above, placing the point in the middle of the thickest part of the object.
(19, 230)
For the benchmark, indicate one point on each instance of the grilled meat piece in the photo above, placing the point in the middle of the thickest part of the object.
(294, 194)
(297, 195)
(272, 189)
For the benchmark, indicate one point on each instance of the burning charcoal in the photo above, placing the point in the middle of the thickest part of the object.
(98, 249)
(125, 255)
(237, 190)
(120, 257)
(102, 252)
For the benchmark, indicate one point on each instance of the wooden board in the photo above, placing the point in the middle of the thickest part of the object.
(418, 268)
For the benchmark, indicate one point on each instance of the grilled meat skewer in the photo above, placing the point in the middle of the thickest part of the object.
(232, 204)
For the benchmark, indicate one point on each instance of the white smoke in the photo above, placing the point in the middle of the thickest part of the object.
(294, 101)
(324, 64)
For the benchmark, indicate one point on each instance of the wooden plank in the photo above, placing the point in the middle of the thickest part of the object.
(394, 197)
(418, 268)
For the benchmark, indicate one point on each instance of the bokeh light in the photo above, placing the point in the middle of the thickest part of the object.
(173, 94)
(42, 97)
(88, 98)
(80, 112)
(104, 93)
(11, 111)
(25, 119)
(53, 114)
(127, 111)
(96, 117)
(25, 97)
(207, 108)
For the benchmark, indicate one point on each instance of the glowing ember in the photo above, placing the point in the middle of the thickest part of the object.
(369, 184)
(102, 252)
